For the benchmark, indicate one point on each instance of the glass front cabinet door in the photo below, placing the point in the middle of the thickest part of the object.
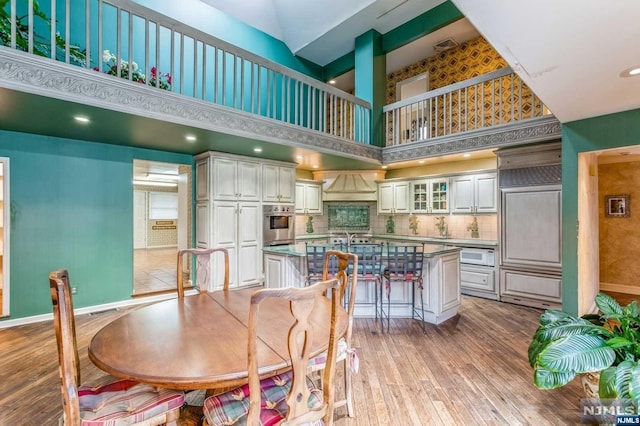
(430, 196)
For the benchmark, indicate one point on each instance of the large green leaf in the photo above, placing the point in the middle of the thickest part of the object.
(607, 386)
(554, 332)
(545, 379)
(631, 310)
(608, 305)
(618, 342)
(552, 315)
(577, 354)
(623, 378)
(634, 383)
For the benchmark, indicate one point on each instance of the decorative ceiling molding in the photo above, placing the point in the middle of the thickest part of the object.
(41, 76)
(520, 133)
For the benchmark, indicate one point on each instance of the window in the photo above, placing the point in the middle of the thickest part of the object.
(163, 205)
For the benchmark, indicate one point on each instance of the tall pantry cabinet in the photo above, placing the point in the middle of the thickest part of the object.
(229, 214)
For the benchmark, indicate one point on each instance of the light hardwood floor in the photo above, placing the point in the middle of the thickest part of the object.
(154, 270)
(472, 370)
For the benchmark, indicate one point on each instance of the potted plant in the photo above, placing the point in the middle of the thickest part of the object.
(607, 343)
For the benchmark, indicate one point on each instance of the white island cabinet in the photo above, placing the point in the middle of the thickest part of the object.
(285, 266)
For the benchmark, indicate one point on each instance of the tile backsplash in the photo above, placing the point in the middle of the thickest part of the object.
(456, 224)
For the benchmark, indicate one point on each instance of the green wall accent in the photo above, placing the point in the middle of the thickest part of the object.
(199, 15)
(339, 66)
(604, 132)
(71, 207)
(370, 77)
(428, 22)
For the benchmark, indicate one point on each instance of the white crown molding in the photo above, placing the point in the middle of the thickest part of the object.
(44, 77)
(519, 133)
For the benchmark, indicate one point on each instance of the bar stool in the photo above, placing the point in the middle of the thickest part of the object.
(315, 257)
(403, 265)
(369, 266)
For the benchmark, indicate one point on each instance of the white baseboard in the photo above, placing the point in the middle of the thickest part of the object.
(95, 308)
(620, 288)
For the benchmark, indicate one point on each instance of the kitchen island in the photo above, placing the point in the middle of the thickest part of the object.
(285, 266)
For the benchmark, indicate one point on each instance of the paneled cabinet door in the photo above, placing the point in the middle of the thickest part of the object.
(474, 193)
(224, 179)
(308, 198)
(278, 184)
(248, 181)
(393, 197)
(203, 225)
(202, 180)
(237, 227)
(236, 180)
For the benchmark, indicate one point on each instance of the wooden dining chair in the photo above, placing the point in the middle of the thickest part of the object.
(342, 266)
(203, 270)
(291, 396)
(107, 400)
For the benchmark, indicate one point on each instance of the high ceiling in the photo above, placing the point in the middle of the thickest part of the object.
(570, 52)
(323, 30)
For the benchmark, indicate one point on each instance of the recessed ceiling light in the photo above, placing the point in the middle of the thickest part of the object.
(467, 155)
(315, 166)
(81, 119)
(257, 149)
(421, 162)
(332, 82)
(299, 157)
(190, 138)
(384, 167)
(630, 72)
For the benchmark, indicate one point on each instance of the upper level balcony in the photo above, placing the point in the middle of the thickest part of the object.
(120, 56)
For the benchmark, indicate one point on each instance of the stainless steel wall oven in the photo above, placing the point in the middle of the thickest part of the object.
(278, 226)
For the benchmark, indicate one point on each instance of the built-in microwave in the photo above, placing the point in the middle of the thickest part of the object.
(278, 227)
(478, 256)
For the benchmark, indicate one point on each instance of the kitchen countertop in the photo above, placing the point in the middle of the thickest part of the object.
(417, 238)
(299, 249)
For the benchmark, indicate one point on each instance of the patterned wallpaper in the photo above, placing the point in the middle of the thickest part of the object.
(467, 60)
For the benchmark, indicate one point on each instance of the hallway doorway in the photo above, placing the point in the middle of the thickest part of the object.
(161, 223)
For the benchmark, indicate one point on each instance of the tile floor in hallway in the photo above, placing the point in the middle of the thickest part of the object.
(154, 270)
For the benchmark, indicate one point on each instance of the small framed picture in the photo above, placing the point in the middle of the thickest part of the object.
(617, 206)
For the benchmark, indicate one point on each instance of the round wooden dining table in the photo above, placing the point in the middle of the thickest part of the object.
(200, 341)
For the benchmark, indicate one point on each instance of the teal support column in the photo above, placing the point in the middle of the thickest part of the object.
(370, 76)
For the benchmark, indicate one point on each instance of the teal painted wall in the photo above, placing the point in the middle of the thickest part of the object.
(605, 132)
(212, 21)
(71, 207)
(370, 77)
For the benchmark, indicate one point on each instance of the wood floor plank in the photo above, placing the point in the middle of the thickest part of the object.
(471, 370)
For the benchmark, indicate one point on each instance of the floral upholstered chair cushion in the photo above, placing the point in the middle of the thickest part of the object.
(110, 401)
(231, 408)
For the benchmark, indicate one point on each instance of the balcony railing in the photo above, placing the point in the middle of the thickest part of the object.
(126, 40)
(492, 99)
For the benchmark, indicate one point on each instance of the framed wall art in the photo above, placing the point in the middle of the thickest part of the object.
(617, 205)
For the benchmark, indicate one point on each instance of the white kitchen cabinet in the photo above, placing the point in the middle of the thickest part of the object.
(237, 226)
(278, 184)
(540, 290)
(393, 197)
(308, 197)
(474, 193)
(235, 180)
(202, 179)
(430, 196)
(282, 270)
(477, 280)
(203, 224)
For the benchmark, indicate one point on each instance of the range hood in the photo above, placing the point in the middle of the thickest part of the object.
(350, 186)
